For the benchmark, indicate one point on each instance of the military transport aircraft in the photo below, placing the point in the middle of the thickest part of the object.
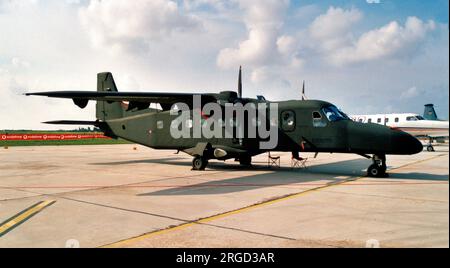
(303, 126)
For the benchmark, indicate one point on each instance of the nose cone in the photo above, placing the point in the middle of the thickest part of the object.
(404, 143)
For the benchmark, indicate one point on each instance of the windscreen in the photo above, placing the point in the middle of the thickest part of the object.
(334, 114)
(414, 118)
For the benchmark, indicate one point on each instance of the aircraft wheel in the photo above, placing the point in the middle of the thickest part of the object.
(430, 148)
(199, 163)
(245, 160)
(376, 171)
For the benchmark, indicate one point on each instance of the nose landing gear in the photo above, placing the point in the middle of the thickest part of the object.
(378, 168)
(245, 160)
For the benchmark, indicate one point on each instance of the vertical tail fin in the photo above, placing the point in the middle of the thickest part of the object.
(105, 110)
(429, 113)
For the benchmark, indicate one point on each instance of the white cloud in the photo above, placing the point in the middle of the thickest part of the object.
(332, 38)
(334, 23)
(373, 1)
(332, 30)
(286, 44)
(133, 24)
(263, 21)
(267, 48)
(9, 5)
(391, 40)
(19, 63)
(410, 93)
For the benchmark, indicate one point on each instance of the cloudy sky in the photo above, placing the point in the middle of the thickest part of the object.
(366, 56)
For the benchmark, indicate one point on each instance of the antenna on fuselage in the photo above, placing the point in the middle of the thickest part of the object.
(303, 91)
(240, 82)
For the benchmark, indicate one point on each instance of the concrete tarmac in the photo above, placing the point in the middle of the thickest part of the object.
(133, 196)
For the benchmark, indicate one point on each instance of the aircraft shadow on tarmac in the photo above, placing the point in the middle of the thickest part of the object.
(165, 160)
(246, 183)
(418, 176)
(355, 167)
(280, 177)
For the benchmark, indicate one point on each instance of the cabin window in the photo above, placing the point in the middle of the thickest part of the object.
(369, 121)
(159, 124)
(396, 120)
(360, 120)
(288, 120)
(317, 120)
(379, 120)
(386, 120)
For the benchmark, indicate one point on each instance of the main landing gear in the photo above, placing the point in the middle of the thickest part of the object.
(430, 147)
(199, 163)
(378, 168)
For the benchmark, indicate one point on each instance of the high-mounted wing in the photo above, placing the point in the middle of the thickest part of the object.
(153, 97)
(136, 99)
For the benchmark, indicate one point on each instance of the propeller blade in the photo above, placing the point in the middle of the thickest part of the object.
(303, 91)
(240, 82)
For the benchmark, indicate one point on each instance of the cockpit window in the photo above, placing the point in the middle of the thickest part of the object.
(334, 114)
(317, 120)
(414, 118)
(316, 115)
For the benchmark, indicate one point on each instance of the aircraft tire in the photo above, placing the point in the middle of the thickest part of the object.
(376, 171)
(430, 148)
(199, 163)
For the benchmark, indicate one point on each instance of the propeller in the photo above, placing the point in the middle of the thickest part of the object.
(240, 83)
(303, 91)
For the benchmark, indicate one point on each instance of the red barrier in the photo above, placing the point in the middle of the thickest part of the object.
(39, 137)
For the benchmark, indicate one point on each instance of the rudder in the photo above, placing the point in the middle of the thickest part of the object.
(104, 109)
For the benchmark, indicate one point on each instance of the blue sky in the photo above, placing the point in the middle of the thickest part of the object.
(388, 9)
(384, 57)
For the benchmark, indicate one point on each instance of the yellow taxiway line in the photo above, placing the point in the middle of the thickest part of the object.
(124, 242)
(22, 216)
(127, 241)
